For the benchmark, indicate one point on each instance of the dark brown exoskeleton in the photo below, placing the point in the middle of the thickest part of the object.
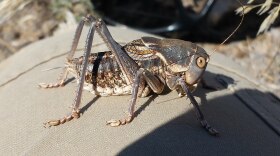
(141, 66)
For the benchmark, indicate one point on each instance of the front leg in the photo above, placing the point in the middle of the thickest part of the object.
(200, 116)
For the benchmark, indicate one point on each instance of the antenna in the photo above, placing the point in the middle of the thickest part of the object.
(234, 31)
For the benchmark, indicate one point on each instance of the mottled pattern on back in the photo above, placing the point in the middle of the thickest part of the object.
(104, 76)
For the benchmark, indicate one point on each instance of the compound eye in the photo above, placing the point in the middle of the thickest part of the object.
(201, 62)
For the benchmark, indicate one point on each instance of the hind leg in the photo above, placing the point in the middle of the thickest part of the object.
(75, 113)
(63, 75)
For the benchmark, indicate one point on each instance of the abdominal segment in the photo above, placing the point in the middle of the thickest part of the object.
(104, 77)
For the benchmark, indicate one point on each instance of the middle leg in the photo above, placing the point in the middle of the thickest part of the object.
(142, 76)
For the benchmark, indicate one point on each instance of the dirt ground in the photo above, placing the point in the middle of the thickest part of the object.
(25, 21)
(260, 56)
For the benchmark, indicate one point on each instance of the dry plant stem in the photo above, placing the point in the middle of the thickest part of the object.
(270, 64)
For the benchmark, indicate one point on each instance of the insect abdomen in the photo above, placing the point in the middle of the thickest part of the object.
(104, 76)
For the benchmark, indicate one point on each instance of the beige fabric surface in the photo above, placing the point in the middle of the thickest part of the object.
(164, 125)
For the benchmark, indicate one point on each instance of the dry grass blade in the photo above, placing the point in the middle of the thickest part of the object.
(273, 14)
(265, 7)
(250, 1)
(9, 7)
(247, 8)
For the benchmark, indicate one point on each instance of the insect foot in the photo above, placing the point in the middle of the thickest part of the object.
(208, 128)
(116, 123)
(50, 85)
(75, 114)
(60, 83)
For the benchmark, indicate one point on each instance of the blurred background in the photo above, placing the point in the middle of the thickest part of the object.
(207, 22)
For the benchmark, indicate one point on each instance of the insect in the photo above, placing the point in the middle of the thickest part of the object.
(141, 66)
